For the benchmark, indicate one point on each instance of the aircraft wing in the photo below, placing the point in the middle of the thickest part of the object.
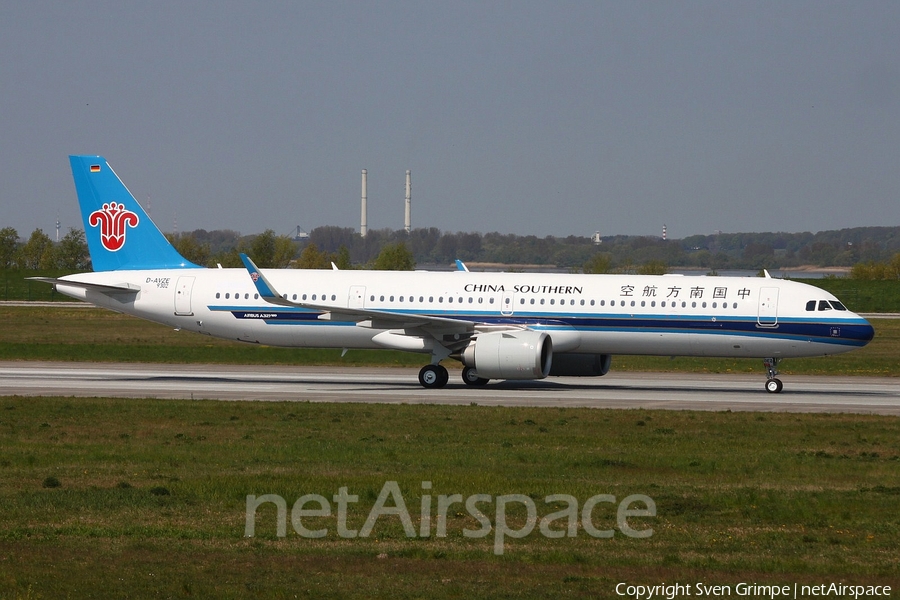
(377, 319)
(117, 288)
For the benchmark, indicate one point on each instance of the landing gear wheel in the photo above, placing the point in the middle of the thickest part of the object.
(469, 377)
(433, 376)
(773, 386)
(445, 376)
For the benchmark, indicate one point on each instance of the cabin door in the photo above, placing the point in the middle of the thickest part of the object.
(768, 307)
(183, 296)
(506, 304)
(357, 298)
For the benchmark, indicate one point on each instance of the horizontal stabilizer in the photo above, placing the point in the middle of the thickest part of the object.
(121, 288)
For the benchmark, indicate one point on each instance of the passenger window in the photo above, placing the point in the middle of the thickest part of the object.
(823, 305)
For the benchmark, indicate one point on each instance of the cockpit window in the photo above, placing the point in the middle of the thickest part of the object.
(811, 305)
(837, 305)
(823, 305)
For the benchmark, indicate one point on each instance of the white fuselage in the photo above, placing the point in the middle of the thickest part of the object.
(608, 314)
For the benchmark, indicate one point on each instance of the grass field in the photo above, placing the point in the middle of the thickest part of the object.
(148, 498)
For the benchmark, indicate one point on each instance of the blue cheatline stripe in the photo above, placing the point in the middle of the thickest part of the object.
(846, 332)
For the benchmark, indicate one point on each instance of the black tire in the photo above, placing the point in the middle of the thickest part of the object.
(445, 376)
(433, 377)
(774, 386)
(469, 377)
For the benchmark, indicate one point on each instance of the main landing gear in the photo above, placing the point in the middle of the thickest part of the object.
(433, 376)
(469, 377)
(773, 384)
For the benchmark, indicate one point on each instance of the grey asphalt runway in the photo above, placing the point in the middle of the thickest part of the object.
(352, 384)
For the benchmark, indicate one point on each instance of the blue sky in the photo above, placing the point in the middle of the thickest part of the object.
(546, 118)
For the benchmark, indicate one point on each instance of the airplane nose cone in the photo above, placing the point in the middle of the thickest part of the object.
(867, 332)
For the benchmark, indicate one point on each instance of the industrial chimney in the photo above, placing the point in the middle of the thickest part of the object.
(408, 199)
(362, 222)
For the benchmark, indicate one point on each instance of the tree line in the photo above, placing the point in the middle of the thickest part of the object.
(872, 252)
(39, 252)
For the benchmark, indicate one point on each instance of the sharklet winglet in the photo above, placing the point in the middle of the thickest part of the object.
(266, 290)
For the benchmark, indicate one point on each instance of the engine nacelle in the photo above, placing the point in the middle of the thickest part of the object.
(580, 365)
(510, 355)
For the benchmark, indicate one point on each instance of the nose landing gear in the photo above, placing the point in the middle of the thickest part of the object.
(773, 384)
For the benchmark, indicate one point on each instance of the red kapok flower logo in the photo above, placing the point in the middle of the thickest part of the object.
(113, 219)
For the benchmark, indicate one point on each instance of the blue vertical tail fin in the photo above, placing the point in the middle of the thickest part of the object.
(119, 233)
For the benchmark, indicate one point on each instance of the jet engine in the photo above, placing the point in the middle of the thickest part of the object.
(510, 355)
(575, 364)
